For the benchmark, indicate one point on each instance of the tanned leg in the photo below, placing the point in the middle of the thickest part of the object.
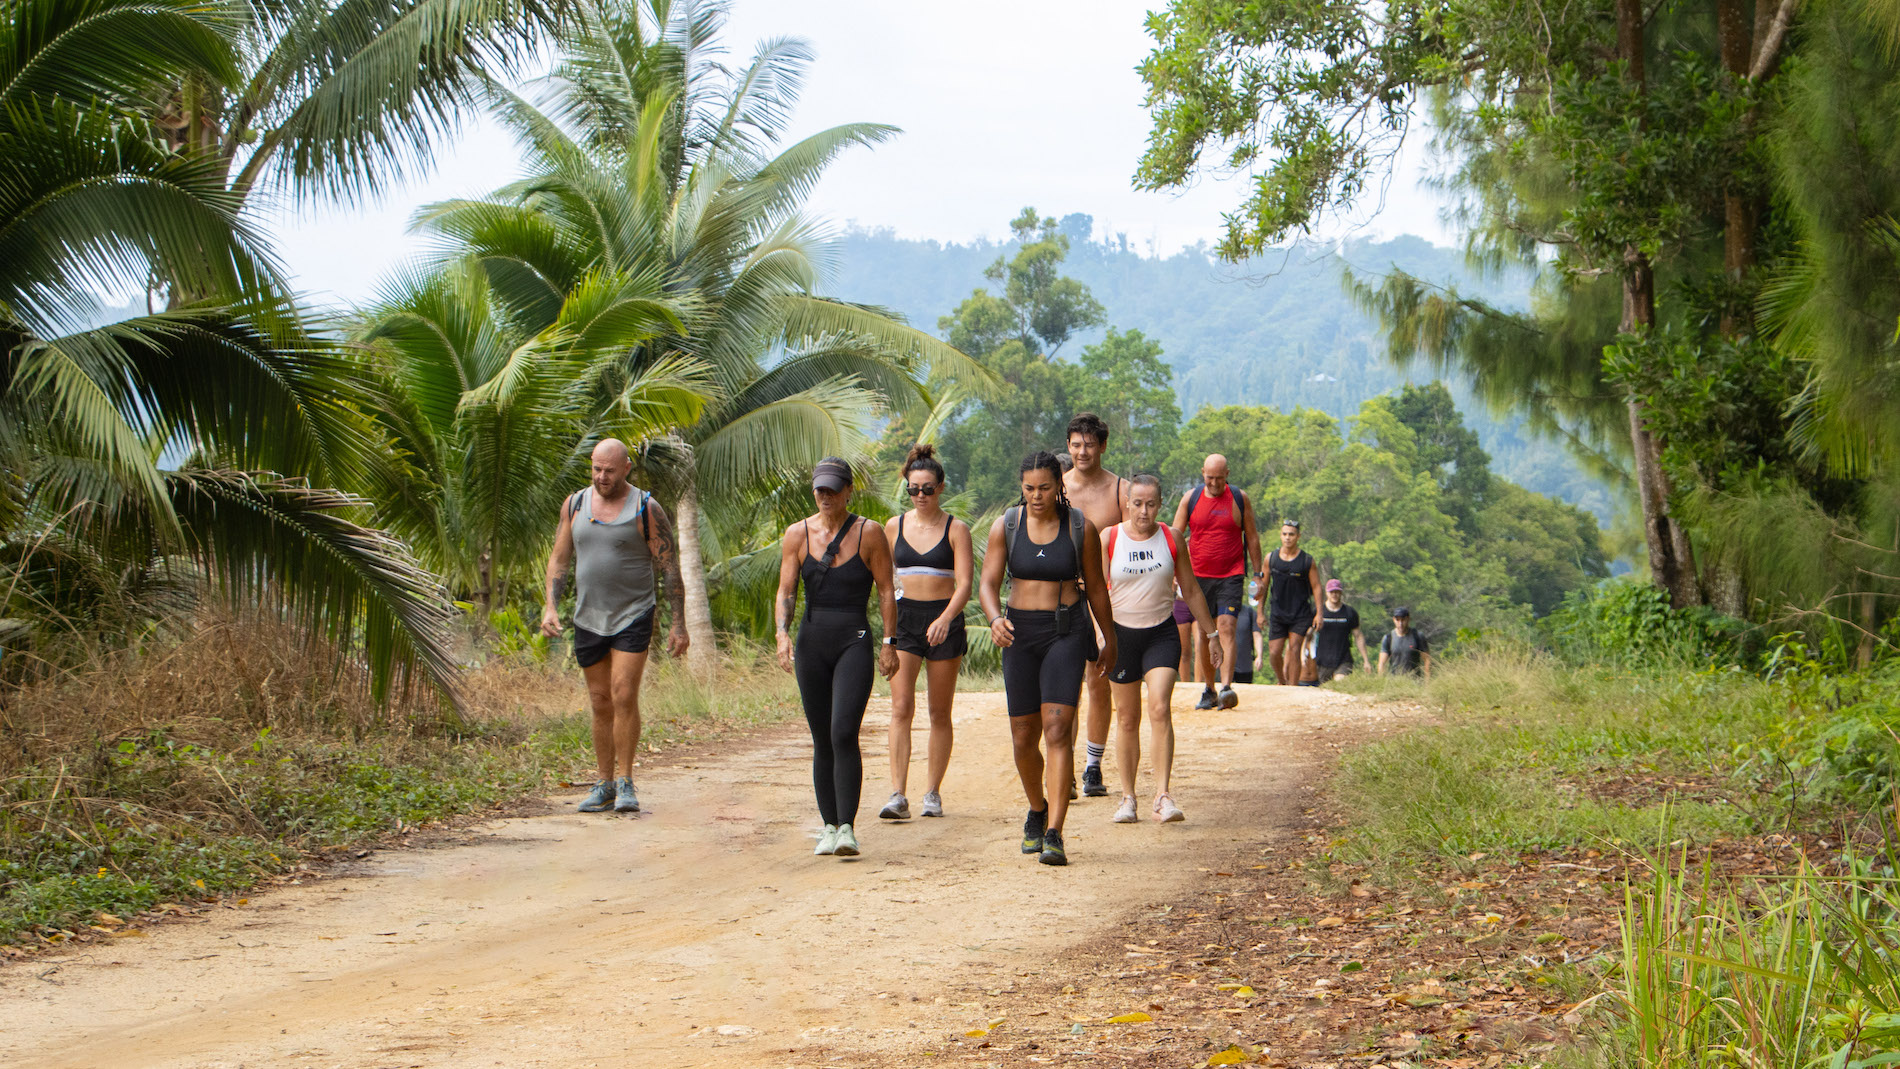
(903, 714)
(943, 693)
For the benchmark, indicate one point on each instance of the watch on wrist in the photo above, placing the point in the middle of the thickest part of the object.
(889, 640)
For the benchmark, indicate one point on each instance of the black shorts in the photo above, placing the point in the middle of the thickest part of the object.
(1224, 595)
(1243, 677)
(589, 648)
(913, 621)
(1298, 623)
(1140, 650)
(1330, 672)
(1043, 668)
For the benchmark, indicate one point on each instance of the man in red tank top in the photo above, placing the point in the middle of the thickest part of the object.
(1217, 522)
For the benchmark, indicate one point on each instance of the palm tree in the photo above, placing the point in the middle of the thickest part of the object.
(648, 157)
(146, 452)
(490, 424)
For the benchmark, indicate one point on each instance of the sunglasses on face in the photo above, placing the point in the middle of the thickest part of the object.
(920, 491)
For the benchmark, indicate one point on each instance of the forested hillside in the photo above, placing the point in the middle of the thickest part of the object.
(1279, 331)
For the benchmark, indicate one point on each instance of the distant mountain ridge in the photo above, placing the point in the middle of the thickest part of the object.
(1279, 331)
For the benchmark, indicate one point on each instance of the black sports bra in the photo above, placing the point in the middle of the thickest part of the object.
(1050, 562)
(939, 560)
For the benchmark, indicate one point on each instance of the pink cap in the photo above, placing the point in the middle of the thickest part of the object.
(1334, 584)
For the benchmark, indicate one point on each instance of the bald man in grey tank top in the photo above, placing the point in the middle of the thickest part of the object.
(617, 537)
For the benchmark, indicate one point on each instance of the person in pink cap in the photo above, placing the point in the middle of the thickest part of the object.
(1338, 621)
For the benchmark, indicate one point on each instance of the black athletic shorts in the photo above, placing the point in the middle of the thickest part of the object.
(1224, 595)
(913, 622)
(1140, 650)
(589, 648)
(1243, 677)
(1330, 672)
(1279, 626)
(1041, 667)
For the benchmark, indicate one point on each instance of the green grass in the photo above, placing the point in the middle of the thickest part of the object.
(1523, 745)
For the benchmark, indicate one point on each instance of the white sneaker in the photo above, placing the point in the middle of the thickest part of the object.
(1167, 811)
(933, 804)
(898, 808)
(827, 841)
(1126, 814)
(846, 844)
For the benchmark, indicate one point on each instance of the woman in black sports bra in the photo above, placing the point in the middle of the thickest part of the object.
(1045, 546)
(934, 586)
(838, 557)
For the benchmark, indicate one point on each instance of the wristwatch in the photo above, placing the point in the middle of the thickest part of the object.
(889, 640)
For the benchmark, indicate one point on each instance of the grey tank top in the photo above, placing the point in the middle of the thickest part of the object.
(613, 569)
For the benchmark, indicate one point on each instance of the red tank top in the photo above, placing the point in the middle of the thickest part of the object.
(1215, 547)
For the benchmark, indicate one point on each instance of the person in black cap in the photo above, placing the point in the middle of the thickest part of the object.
(1403, 649)
(838, 557)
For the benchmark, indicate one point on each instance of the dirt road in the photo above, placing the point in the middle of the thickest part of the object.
(702, 932)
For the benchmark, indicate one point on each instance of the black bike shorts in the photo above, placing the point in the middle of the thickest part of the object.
(1041, 667)
(1140, 650)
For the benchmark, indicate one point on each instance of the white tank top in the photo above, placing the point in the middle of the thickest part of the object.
(1140, 576)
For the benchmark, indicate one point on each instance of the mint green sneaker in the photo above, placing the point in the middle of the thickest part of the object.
(846, 844)
(827, 841)
(600, 799)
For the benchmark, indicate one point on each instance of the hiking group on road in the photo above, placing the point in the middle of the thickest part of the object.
(1102, 598)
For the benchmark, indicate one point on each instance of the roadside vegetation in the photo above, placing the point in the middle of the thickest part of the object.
(203, 767)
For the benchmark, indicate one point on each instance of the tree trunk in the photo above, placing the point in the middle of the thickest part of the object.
(703, 655)
(1735, 40)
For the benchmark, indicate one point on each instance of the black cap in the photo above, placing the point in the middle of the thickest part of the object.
(832, 473)
(1401, 611)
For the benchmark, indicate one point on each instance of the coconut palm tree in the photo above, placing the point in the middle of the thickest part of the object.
(645, 155)
(490, 425)
(163, 448)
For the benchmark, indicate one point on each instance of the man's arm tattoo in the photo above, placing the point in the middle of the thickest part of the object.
(665, 551)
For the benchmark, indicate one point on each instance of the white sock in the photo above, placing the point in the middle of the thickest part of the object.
(1096, 750)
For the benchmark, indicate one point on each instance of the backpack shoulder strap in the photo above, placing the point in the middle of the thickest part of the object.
(574, 502)
(1012, 526)
(1194, 502)
(1168, 532)
(1240, 505)
(1078, 525)
(1108, 550)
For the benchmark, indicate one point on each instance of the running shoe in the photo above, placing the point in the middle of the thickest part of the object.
(1072, 788)
(1208, 701)
(827, 841)
(625, 801)
(1228, 699)
(1052, 852)
(898, 808)
(1126, 813)
(1092, 782)
(846, 844)
(1168, 811)
(933, 804)
(1033, 828)
(600, 799)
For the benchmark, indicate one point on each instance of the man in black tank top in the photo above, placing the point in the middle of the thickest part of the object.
(1291, 604)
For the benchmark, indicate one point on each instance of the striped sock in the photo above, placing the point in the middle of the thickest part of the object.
(1096, 750)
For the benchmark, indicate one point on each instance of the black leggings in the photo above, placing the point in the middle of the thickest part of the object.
(832, 662)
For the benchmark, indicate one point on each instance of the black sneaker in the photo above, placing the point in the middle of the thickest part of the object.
(1033, 828)
(1052, 852)
(1228, 699)
(1208, 701)
(1092, 782)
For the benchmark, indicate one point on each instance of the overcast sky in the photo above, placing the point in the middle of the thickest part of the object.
(1003, 103)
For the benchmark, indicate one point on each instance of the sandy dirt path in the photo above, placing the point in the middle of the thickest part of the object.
(701, 933)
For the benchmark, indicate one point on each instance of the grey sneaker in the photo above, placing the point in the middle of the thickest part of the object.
(933, 804)
(1228, 699)
(600, 799)
(1092, 785)
(1208, 701)
(898, 808)
(846, 844)
(625, 801)
(1167, 812)
(1125, 814)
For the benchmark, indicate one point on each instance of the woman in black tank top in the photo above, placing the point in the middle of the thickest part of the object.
(837, 557)
(934, 586)
(1046, 638)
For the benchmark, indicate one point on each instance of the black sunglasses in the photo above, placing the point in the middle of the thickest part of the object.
(920, 491)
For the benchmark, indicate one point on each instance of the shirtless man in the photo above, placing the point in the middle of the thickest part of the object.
(1102, 496)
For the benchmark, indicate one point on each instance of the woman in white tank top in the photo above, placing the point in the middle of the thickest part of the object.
(1143, 569)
